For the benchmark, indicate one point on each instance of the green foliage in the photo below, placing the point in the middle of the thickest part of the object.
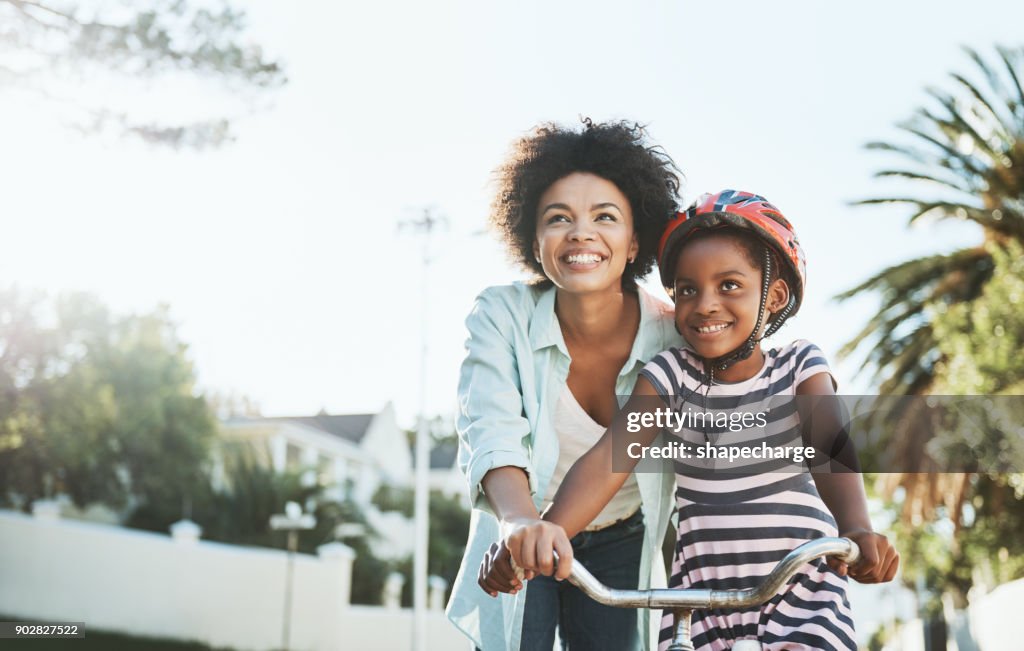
(97, 407)
(965, 157)
(981, 341)
(951, 324)
(392, 498)
(239, 511)
(448, 530)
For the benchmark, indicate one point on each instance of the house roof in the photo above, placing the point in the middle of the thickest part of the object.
(350, 427)
(442, 456)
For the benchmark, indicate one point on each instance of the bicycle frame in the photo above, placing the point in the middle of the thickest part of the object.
(683, 602)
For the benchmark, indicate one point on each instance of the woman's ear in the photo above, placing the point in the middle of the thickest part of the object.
(536, 251)
(634, 249)
(778, 296)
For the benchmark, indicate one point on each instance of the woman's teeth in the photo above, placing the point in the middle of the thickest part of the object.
(583, 258)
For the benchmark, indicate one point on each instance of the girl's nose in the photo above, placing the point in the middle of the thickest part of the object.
(707, 303)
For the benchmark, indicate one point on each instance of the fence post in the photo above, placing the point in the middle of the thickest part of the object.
(342, 555)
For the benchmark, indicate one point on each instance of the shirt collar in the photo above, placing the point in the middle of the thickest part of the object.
(652, 331)
(544, 328)
(545, 331)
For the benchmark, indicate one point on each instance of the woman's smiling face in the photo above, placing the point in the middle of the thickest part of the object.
(585, 233)
(717, 294)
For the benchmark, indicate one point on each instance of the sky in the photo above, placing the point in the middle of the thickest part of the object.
(281, 256)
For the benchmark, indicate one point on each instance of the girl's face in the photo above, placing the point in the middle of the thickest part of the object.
(585, 233)
(717, 293)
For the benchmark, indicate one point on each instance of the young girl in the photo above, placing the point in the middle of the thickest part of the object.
(736, 271)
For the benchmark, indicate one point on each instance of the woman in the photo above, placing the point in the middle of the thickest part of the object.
(583, 210)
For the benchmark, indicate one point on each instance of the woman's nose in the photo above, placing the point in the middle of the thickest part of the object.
(581, 230)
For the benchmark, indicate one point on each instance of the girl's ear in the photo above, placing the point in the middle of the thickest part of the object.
(778, 296)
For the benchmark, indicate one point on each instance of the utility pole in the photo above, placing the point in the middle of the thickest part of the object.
(424, 226)
(293, 520)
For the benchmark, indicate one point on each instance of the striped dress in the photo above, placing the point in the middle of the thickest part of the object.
(738, 519)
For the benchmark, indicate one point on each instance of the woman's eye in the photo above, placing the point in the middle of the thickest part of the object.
(606, 217)
(557, 218)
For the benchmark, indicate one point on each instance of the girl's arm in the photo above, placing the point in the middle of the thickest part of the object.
(589, 485)
(842, 488)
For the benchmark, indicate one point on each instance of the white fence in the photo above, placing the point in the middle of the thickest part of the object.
(151, 585)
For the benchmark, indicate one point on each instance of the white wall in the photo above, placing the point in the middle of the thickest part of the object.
(150, 585)
(994, 618)
(989, 624)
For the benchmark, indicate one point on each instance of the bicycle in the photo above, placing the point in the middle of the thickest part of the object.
(683, 601)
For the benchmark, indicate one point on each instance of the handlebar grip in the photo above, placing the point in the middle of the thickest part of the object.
(852, 557)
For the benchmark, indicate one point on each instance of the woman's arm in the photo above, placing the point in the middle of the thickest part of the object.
(589, 485)
(490, 423)
(841, 486)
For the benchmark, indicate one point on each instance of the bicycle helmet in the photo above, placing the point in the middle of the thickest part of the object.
(753, 214)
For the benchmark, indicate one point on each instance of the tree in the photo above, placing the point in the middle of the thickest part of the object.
(59, 50)
(969, 154)
(967, 158)
(947, 323)
(96, 407)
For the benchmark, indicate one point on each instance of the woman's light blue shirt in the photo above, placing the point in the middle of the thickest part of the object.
(515, 368)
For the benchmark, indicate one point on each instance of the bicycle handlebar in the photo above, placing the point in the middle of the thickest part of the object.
(844, 548)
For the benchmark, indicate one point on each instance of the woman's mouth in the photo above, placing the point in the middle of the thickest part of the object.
(583, 260)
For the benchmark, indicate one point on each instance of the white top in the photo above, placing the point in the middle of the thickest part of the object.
(577, 433)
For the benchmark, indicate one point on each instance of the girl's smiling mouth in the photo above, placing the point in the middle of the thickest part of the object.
(710, 329)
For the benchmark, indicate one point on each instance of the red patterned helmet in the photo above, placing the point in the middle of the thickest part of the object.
(743, 210)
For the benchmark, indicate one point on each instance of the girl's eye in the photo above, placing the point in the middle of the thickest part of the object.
(730, 284)
(684, 291)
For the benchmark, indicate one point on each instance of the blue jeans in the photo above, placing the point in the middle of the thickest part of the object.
(613, 556)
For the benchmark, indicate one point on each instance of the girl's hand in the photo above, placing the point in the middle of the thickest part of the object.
(878, 562)
(496, 573)
(531, 542)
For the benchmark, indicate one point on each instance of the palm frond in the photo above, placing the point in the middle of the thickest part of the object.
(953, 159)
(994, 115)
(991, 77)
(921, 176)
(898, 361)
(956, 125)
(1006, 55)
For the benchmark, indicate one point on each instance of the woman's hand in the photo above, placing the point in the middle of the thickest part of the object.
(878, 562)
(531, 543)
(496, 573)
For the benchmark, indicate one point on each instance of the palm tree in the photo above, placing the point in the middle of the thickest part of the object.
(966, 156)
(969, 154)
